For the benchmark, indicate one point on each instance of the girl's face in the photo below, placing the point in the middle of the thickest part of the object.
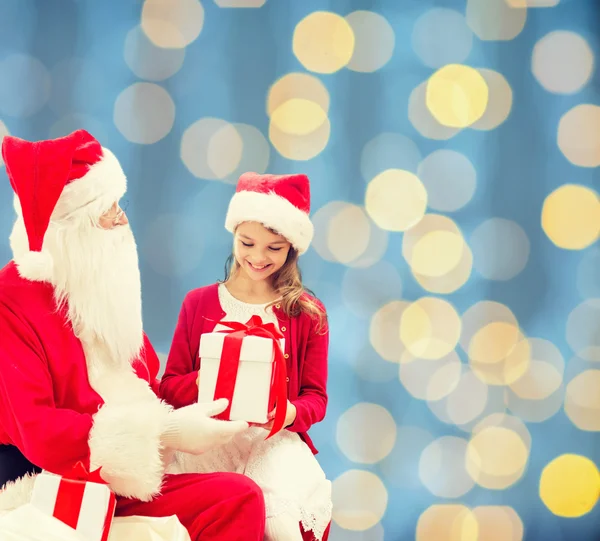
(260, 253)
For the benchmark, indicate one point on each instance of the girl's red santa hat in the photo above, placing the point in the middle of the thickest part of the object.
(59, 179)
(279, 202)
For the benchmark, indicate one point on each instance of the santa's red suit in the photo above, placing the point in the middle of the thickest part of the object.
(78, 377)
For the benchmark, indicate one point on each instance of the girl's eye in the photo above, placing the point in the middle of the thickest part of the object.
(246, 244)
(274, 249)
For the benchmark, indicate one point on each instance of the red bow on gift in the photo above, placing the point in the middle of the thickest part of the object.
(230, 358)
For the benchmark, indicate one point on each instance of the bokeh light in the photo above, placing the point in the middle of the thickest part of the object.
(172, 24)
(389, 151)
(500, 249)
(25, 85)
(455, 258)
(498, 523)
(299, 128)
(447, 522)
(442, 468)
(496, 457)
(449, 178)
(323, 42)
(396, 200)
(366, 433)
(457, 95)
(147, 60)
(359, 500)
(374, 41)
(582, 400)
(579, 136)
(345, 234)
(423, 120)
(500, 100)
(562, 62)
(302, 86)
(582, 330)
(441, 36)
(496, 20)
(384, 331)
(570, 485)
(430, 328)
(571, 216)
(427, 379)
(144, 113)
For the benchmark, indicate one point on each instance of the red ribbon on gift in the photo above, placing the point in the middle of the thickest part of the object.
(70, 497)
(230, 361)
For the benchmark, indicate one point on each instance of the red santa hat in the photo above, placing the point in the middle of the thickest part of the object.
(59, 177)
(279, 202)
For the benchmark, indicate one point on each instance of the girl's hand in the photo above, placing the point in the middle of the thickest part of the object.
(290, 417)
(198, 379)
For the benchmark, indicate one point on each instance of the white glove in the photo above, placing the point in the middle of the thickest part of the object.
(191, 429)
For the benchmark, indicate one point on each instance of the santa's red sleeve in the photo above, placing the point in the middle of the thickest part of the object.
(123, 438)
(178, 385)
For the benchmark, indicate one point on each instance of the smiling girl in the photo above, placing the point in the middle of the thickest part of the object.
(269, 218)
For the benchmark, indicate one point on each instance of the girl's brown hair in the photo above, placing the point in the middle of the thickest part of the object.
(287, 281)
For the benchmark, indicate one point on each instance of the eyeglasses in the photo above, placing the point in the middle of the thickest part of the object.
(116, 212)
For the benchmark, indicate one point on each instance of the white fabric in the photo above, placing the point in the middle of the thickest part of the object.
(283, 466)
(29, 524)
(283, 527)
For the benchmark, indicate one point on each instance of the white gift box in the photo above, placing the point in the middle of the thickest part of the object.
(253, 383)
(93, 514)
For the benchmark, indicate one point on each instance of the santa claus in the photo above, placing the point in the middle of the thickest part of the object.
(78, 376)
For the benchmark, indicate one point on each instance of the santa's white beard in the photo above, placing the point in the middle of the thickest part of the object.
(96, 277)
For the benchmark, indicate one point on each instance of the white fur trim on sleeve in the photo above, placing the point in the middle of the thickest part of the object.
(17, 493)
(274, 212)
(125, 441)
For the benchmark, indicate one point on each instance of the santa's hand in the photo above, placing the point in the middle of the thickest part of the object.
(193, 430)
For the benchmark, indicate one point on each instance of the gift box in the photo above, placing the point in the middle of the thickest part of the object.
(244, 363)
(80, 499)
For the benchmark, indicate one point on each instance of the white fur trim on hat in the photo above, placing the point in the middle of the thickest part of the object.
(274, 212)
(96, 191)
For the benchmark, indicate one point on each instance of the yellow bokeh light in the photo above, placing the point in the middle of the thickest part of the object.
(570, 485)
(323, 42)
(498, 523)
(493, 342)
(571, 217)
(383, 331)
(349, 233)
(579, 136)
(359, 500)
(437, 253)
(449, 522)
(298, 116)
(300, 148)
(298, 86)
(430, 328)
(396, 200)
(508, 369)
(457, 95)
(422, 119)
(457, 276)
(496, 457)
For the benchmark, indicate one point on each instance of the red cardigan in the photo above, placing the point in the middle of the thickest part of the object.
(305, 351)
